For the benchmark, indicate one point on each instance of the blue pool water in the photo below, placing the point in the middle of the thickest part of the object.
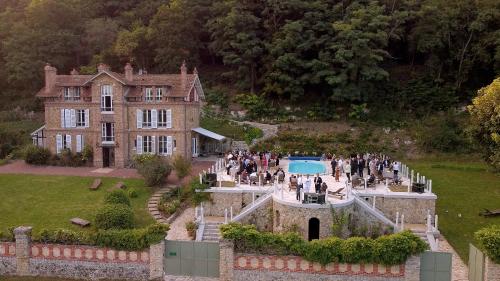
(306, 167)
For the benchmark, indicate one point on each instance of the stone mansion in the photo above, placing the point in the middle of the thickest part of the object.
(121, 115)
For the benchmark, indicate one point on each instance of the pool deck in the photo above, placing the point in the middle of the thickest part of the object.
(282, 193)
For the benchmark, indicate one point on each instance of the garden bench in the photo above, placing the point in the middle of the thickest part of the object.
(488, 213)
(96, 184)
(80, 222)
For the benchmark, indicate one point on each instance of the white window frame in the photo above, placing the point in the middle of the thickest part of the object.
(67, 93)
(162, 118)
(104, 136)
(81, 118)
(148, 94)
(71, 93)
(162, 145)
(107, 91)
(147, 144)
(79, 143)
(147, 121)
(159, 94)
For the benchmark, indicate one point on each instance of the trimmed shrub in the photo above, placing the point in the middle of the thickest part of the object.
(390, 249)
(114, 216)
(132, 193)
(153, 168)
(63, 236)
(117, 197)
(182, 166)
(36, 155)
(131, 239)
(489, 241)
(169, 207)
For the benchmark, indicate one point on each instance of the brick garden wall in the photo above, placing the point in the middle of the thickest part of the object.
(74, 261)
(257, 267)
(7, 258)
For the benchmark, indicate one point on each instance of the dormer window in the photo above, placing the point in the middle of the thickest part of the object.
(159, 94)
(149, 94)
(71, 93)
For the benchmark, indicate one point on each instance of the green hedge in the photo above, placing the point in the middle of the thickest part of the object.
(390, 249)
(489, 241)
(114, 216)
(124, 239)
(117, 197)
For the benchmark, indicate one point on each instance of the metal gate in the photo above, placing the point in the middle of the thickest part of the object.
(476, 264)
(191, 258)
(435, 266)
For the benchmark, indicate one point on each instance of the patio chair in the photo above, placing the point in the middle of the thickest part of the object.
(337, 193)
(281, 177)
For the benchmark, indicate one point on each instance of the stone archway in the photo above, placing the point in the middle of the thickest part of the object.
(313, 229)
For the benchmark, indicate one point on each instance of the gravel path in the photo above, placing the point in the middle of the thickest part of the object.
(459, 270)
(178, 226)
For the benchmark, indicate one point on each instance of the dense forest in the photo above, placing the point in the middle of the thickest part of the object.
(419, 55)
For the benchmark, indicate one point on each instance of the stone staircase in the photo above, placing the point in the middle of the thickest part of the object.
(211, 231)
(153, 204)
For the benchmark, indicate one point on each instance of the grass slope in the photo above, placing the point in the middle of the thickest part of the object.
(50, 201)
(464, 188)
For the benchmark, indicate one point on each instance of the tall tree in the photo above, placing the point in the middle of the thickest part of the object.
(359, 49)
(237, 38)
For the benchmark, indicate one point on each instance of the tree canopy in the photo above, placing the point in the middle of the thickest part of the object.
(353, 51)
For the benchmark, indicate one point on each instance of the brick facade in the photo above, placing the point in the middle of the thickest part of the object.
(76, 110)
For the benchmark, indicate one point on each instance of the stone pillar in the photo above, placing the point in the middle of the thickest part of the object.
(156, 260)
(226, 262)
(412, 269)
(23, 250)
(491, 270)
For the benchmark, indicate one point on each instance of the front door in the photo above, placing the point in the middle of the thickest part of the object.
(108, 157)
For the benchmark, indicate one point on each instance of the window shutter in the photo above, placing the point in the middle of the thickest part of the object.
(169, 145)
(73, 118)
(62, 119)
(67, 118)
(78, 143)
(169, 118)
(138, 113)
(58, 143)
(87, 118)
(153, 145)
(139, 145)
(68, 142)
(154, 118)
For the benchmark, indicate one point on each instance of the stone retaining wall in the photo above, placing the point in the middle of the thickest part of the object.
(7, 258)
(492, 270)
(74, 261)
(414, 209)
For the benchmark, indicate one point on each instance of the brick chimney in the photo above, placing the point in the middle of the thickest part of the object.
(74, 72)
(183, 75)
(102, 67)
(129, 72)
(50, 77)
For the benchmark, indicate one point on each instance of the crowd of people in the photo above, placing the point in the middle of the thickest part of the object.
(255, 168)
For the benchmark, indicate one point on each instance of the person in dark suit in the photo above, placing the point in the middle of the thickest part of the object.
(361, 166)
(317, 183)
(334, 165)
(354, 166)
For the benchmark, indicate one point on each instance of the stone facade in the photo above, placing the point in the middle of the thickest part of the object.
(181, 98)
(491, 270)
(219, 201)
(226, 260)
(414, 208)
(262, 217)
(23, 258)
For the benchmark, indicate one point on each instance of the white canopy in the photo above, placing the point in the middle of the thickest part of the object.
(209, 134)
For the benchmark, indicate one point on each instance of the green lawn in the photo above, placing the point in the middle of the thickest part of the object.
(229, 129)
(50, 201)
(464, 188)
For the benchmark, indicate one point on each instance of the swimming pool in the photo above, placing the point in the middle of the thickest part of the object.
(306, 167)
